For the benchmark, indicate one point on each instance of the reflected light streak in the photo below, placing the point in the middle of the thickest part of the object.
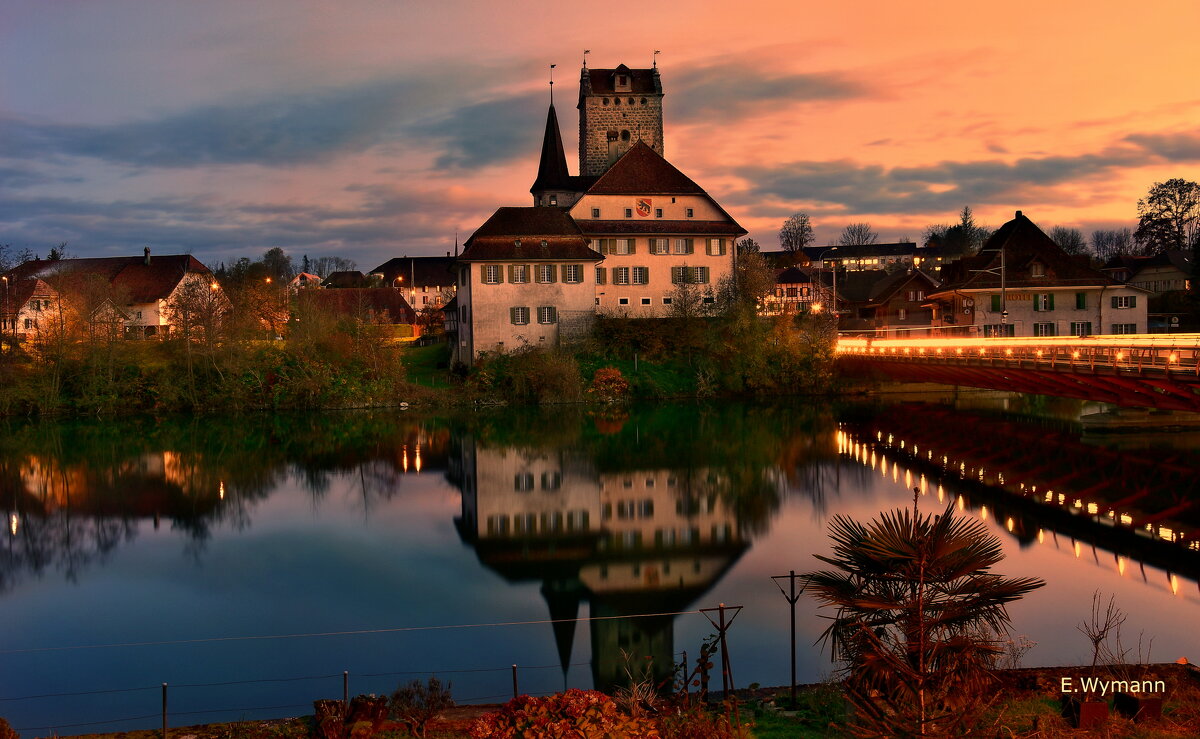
(14, 523)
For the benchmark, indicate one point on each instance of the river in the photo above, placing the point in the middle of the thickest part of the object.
(255, 563)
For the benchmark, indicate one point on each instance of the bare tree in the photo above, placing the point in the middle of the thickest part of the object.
(1069, 240)
(325, 266)
(1107, 244)
(857, 234)
(796, 233)
(747, 246)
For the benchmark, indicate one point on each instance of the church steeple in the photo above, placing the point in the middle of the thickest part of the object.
(552, 177)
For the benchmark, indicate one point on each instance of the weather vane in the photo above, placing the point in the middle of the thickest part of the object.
(585, 53)
(655, 58)
(552, 66)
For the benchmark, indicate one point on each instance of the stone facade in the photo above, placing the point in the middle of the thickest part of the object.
(617, 108)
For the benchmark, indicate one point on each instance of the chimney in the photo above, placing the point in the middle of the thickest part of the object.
(146, 261)
(1018, 214)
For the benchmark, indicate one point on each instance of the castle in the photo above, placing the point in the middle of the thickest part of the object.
(629, 235)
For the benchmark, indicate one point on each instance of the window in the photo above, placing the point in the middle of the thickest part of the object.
(554, 200)
(996, 304)
(519, 316)
(999, 329)
(1124, 328)
(629, 212)
(1081, 328)
(491, 274)
(1080, 301)
(600, 275)
(793, 292)
(683, 246)
(646, 301)
(424, 299)
(497, 525)
(547, 272)
(658, 212)
(1043, 302)
(901, 314)
(641, 275)
(660, 246)
(615, 246)
(666, 301)
(622, 301)
(1124, 301)
(695, 275)
(624, 246)
(1037, 269)
(572, 273)
(547, 314)
(1043, 329)
(689, 212)
(595, 212)
(518, 273)
(523, 481)
(620, 275)
(28, 323)
(915, 295)
(716, 247)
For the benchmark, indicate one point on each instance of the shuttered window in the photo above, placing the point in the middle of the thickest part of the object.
(519, 316)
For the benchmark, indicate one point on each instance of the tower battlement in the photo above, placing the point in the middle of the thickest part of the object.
(617, 108)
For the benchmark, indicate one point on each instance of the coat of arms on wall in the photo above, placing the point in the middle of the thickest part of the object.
(643, 207)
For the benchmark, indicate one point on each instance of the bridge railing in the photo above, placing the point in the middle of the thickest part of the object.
(1158, 353)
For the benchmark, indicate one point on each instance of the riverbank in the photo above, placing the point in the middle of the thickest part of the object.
(1031, 708)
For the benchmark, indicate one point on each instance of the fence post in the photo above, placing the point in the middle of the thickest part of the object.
(164, 696)
(345, 687)
(516, 692)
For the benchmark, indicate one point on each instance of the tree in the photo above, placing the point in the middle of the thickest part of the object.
(747, 246)
(1169, 216)
(857, 234)
(964, 237)
(325, 266)
(912, 595)
(1069, 240)
(58, 252)
(279, 265)
(796, 233)
(1107, 244)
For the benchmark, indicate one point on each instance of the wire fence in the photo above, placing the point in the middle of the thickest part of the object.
(170, 692)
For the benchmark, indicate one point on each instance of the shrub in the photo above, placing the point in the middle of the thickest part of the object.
(6, 731)
(587, 714)
(415, 705)
(608, 386)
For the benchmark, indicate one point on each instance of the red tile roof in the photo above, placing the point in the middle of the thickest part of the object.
(21, 291)
(601, 81)
(138, 281)
(643, 171)
(361, 302)
(538, 233)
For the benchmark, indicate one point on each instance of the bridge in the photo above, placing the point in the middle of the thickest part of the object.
(1160, 371)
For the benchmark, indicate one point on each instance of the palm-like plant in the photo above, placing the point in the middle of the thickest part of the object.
(913, 597)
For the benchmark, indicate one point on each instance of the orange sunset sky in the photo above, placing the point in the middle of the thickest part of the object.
(374, 129)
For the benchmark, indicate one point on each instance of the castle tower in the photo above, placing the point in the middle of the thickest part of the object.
(617, 108)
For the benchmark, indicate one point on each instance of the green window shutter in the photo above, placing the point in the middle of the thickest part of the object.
(512, 316)
(676, 275)
(633, 246)
(691, 246)
(1080, 301)
(511, 276)
(704, 275)
(996, 304)
(554, 273)
(553, 315)
(600, 275)
(1050, 305)
(1132, 301)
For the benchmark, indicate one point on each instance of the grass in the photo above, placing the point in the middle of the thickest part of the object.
(428, 365)
(649, 380)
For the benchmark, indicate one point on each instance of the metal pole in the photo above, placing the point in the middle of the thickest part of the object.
(792, 598)
(516, 691)
(687, 690)
(724, 652)
(345, 687)
(164, 693)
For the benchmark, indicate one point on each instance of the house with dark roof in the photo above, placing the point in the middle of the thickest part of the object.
(526, 277)
(887, 304)
(425, 282)
(796, 291)
(1023, 284)
(1168, 278)
(142, 288)
(345, 279)
(892, 256)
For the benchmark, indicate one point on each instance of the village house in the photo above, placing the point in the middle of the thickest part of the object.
(896, 305)
(140, 291)
(795, 291)
(29, 305)
(1023, 284)
(1168, 278)
(426, 282)
(526, 277)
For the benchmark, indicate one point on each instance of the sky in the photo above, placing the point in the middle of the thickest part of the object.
(369, 129)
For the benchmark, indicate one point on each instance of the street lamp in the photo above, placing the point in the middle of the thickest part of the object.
(1002, 271)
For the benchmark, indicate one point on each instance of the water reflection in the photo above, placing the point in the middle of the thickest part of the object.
(359, 520)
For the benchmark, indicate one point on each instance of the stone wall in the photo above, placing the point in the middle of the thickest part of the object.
(610, 124)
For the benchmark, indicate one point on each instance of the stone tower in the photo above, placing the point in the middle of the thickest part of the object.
(617, 107)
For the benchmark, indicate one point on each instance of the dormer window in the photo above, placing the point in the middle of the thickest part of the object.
(622, 80)
(1037, 269)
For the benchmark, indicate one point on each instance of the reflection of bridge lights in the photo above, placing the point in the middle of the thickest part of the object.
(1165, 533)
(962, 504)
(1093, 509)
(221, 490)
(1078, 549)
(1174, 585)
(983, 513)
(1121, 565)
(417, 460)
(404, 457)
(1010, 524)
(941, 494)
(1041, 536)
(14, 523)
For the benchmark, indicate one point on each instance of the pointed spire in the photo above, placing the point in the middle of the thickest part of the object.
(563, 599)
(552, 169)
